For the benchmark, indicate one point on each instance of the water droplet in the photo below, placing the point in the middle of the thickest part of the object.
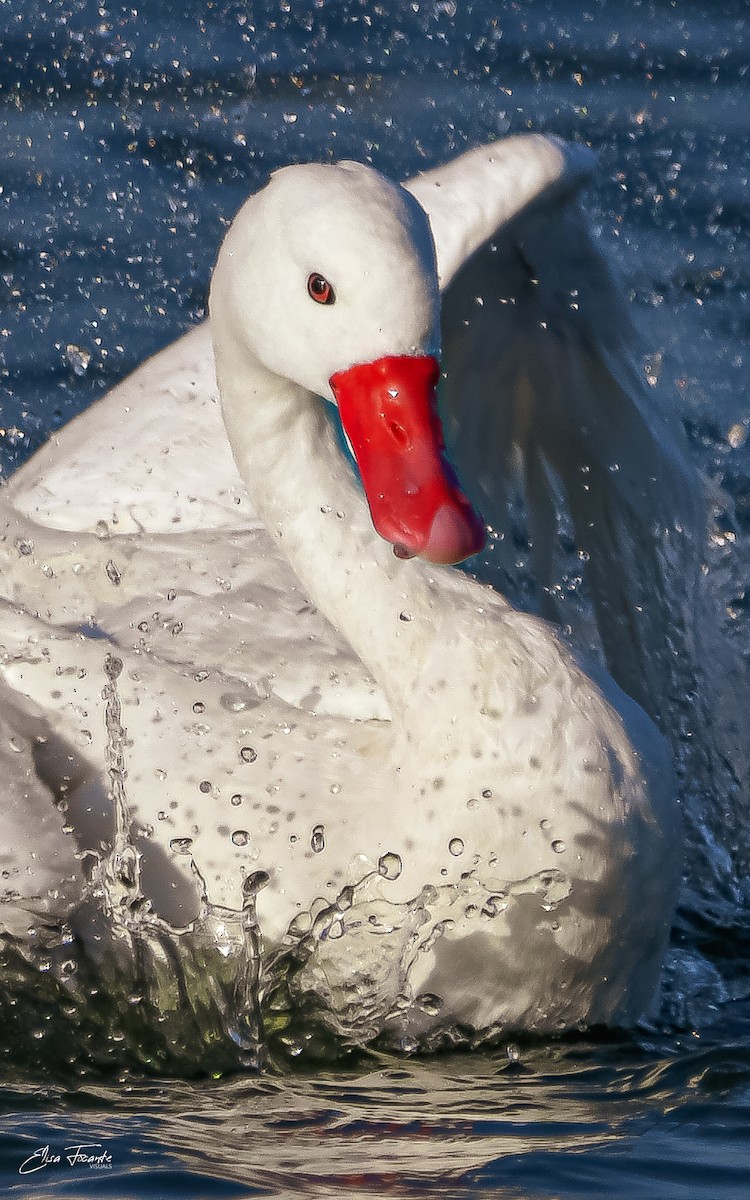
(430, 1003)
(390, 865)
(300, 925)
(161, 815)
(334, 789)
(205, 786)
(199, 707)
(113, 573)
(239, 701)
(456, 847)
(318, 839)
(544, 823)
(181, 845)
(405, 616)
(559, 846)
(512, 1053)
(171, 595)
(177, 628)
(254, 883)
(78, 358)
(240, 837)
(200, 676)
(248, 755)
(736, 436)
(160, 774)
(494, 905)
(112, 666)
(487, 793)
(236, 800)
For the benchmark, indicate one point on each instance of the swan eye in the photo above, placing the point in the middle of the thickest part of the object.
(319, 289)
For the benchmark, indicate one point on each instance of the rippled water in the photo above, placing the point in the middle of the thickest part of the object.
(129, 138)
(569, 1120)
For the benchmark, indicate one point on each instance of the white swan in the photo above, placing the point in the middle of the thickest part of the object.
(301, 700)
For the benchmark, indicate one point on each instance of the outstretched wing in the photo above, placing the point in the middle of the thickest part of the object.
(541, 372)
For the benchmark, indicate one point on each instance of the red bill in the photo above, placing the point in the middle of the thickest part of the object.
(388, 409)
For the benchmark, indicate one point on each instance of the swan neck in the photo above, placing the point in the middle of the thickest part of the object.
(306, 493)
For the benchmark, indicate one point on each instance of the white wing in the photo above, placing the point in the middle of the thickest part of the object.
(542, 372)
(538, 354)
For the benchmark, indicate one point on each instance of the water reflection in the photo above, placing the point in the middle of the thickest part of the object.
(470, 1125)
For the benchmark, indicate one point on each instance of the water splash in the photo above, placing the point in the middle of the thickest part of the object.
(116, 880)
(118, 984)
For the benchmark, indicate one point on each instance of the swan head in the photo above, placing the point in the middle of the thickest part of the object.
(328, 278)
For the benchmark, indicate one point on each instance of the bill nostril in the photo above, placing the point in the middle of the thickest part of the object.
(399, 434)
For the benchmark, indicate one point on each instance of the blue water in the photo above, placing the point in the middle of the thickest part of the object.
(129, 135)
